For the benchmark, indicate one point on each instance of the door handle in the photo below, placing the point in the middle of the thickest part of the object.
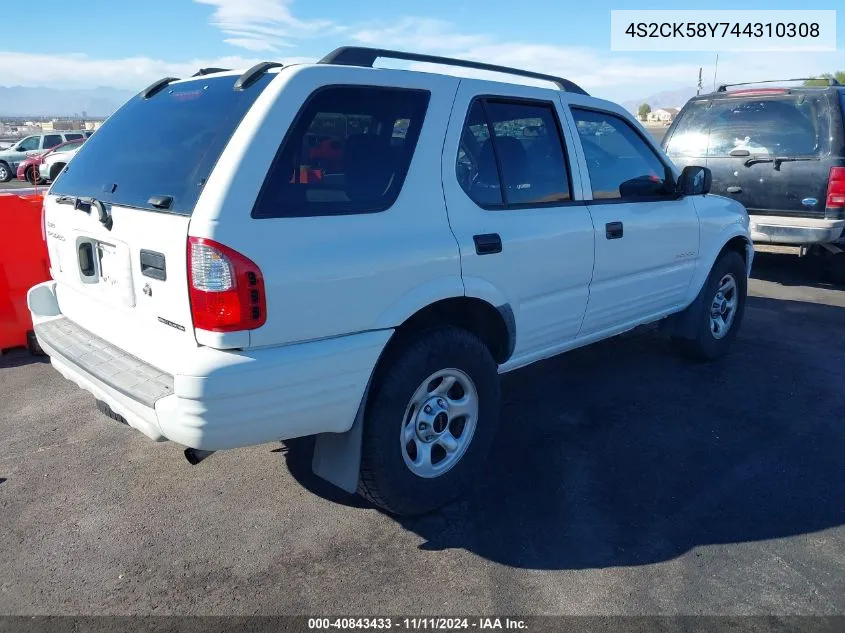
(734, 189)
(613, 230)
(153, 265)
(487, 243)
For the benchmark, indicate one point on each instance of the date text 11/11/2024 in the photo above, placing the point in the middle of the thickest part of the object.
(418, 623)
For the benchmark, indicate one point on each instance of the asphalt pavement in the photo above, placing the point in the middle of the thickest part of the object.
(624, 480)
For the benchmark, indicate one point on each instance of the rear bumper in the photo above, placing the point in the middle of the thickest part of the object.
(216, 399)
(771, 229)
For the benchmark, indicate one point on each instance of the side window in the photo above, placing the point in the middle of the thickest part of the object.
(476, 166)
(692, 131)
(29, 144)
(348, 152)
(521, 163)
(72, 137)
(622, 166)
(51, 140)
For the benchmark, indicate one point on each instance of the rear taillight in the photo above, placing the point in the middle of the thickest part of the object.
(836, 188)
(226, 288)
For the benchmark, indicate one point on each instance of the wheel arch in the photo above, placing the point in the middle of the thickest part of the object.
(736, 239)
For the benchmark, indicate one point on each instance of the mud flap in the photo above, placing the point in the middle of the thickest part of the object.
(683, 324)
(337, 456)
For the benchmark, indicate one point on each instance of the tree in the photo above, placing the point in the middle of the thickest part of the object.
(643, 111)
(839, 76)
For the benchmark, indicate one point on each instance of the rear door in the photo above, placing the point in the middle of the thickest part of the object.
(515, 208)
(768, 149)
(117, 218)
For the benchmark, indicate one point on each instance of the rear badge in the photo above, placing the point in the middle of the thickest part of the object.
(147, 290)
(181, 328)
(809, 202)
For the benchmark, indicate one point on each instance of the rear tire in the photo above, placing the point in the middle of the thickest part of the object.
(717, 312)
(5, 172)
(430, 420)
(32, 344)
(55, 170)
(835, 268)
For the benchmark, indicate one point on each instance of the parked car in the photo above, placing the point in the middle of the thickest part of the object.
(204, 294)
(28, 169)
(778, 150)
(54, 162)
(32, 146)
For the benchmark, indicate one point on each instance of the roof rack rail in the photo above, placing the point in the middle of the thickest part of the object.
(157, 86)
(830, 82)
(253, 74)
(364, 56)
(209, 71)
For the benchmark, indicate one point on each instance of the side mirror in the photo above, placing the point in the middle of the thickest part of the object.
(695, 181)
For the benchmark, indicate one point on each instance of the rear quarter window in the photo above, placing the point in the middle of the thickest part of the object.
(347, 152)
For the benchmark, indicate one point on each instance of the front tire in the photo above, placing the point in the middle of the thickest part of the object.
(717, 312)
(430, 421)
(32, 176)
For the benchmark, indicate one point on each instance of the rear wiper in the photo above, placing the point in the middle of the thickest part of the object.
(776, 160)
(83, 204)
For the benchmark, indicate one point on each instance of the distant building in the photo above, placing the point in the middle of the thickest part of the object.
(662, 115)
(51, 126)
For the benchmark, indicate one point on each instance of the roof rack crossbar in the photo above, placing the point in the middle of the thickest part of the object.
(364, 56)
(830, 82)
(209, 71)
(157, 86)
(252, 75)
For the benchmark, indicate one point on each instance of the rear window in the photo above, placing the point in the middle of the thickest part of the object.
(793, 125)
(166, 145)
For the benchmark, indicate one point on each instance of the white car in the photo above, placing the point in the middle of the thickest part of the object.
(215, 286)
(56, 161)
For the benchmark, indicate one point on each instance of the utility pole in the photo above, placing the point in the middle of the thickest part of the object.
(698, 92)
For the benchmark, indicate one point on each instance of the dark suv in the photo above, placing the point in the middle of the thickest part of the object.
(780, 151)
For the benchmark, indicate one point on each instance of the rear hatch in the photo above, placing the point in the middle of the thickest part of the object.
(117, 218)
(769, 149)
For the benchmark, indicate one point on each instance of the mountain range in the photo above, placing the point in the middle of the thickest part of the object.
(24, 101)
(666, 99)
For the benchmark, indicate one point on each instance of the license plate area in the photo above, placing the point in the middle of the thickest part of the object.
(105, 269)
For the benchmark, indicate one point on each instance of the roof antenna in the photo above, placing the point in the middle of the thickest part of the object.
(716, 72)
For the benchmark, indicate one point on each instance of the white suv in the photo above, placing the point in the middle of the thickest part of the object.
(355, 253)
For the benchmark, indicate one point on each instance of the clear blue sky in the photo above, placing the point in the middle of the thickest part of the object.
(124, 44)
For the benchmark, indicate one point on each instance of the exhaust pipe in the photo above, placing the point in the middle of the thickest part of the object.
(195, 455)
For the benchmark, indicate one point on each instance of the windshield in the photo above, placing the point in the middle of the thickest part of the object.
(793, 125)
(166, 145)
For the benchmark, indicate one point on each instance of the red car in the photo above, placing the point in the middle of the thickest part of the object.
(28, 169)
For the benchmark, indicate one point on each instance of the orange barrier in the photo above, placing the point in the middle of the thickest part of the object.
(23, 263)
